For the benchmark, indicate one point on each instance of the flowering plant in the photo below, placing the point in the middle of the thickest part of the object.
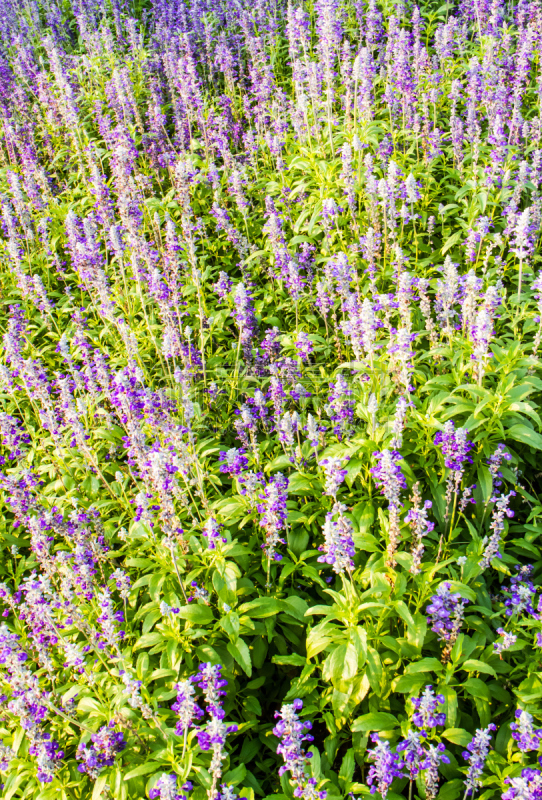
(270, 392)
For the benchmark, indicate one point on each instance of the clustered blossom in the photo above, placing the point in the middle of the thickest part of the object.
(273, 514)
(166, 788)
(338, 547)
(340, 407)
(186, 707)
(522, 593)
(456, 447)
(524, 733)
(102, 750)
(426, 715)
(211, 734)
(385, 766)
(391, 481)
(233, 461)
(435, 757)
(151, 354)
(492, 543)
(334, 475)
(494, 463)
(508, 639)
(303, 346)
(293, 732)
(198, 593)
(211, 531)
(445, 614)
(476, 755)
(420, 525)
(527, 786)
(414, 755)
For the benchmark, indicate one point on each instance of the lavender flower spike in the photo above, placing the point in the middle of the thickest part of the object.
(334, 475)
(508, 639)
(385, 768)
(339, 547)
(476, 754)
(445, 614)
(292, 732)
(523, 732)
(426, 715)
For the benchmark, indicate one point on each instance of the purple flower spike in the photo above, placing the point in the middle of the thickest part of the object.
(426, 715)
(385, 768)
(101, 751)
(476, 754)
(523, 732)
(233, 461)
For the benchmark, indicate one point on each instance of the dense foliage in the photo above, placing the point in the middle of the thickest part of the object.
(270, 399)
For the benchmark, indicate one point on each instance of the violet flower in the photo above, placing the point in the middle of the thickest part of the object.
(274, 514)
(492, 543)
(507, 641)
(166, 788)
(526, 787)
(101, 752)
(445, 614)
(340, 407)
(338, 547)
(522, 593)
(476, 755)
(385, 768)
(523, 732)
(426, 715)
(334, 475)
(292, 732)
(233, 461)
(391, 481)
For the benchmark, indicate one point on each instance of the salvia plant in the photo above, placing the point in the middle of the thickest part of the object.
(270, 390)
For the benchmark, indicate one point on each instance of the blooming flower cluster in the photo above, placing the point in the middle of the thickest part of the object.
(244, 245)
(445, 613)
(101, 751)
(293, 732)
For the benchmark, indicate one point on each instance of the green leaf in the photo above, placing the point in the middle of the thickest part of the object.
(341, 665)
(295, 606)
(457, 736)
(374, 669)
(485, 482)
(451, 241)
(377, 721)
(239, 650)
(404, 613)
(451, 790)
(261, 607)
(424, 665)
(450, 702)
(416, 633)
(477, 688)
(409, 683)
(196, 613)
(319, 638)
(525, 435)
(235, 776)
(142, 769)
(99, 786)
(465, 591)
(348, 765)
(473, 665)
(293, 660)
